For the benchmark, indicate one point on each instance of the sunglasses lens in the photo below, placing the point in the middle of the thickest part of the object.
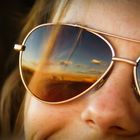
(60, 63)
(138, 74)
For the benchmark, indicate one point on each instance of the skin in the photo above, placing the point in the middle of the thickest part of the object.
(113, 111)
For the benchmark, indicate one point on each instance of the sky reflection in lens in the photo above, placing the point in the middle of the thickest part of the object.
(76, 51)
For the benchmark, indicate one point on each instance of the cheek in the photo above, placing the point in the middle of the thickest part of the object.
(43, 119)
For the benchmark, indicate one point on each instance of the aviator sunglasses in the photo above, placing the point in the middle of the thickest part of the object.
(60, 62)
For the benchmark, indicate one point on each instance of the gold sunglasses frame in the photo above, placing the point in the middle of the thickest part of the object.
(21, 48)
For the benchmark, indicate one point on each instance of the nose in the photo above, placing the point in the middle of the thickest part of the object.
(114, 108)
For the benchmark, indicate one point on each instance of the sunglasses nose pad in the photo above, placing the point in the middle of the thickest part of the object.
(100, 84)
(103, 80)
(137, 77)
(136, 92)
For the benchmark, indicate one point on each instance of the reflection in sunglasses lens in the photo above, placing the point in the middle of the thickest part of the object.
(60, 63)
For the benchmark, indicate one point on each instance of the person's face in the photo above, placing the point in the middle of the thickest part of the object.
(113, 111)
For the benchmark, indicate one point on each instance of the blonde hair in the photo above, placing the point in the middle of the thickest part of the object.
(12, 95)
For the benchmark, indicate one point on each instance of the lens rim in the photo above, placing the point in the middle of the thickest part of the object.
(85, 91)
(135, 76)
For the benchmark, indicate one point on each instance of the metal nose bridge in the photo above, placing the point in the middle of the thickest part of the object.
(124, 60)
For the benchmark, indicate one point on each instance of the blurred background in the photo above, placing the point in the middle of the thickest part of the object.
(12, 18)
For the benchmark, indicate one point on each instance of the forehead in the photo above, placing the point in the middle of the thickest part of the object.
(116, 17)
